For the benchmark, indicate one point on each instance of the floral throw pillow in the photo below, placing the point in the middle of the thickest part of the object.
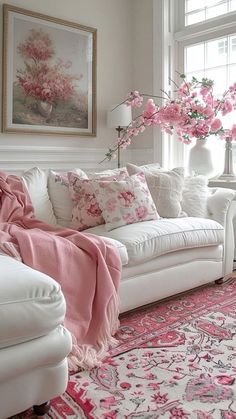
(86, 211)
(125, 202)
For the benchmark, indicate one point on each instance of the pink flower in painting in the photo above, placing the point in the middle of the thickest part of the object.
(126, 198)
(40, 79)
(38, 46)
(141, 212)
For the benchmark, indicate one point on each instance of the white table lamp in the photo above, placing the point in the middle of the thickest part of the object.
(119, 116)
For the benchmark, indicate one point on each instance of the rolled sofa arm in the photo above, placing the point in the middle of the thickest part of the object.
(221, 206)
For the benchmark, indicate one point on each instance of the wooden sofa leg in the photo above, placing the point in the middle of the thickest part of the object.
(41, 409)
(219, 281)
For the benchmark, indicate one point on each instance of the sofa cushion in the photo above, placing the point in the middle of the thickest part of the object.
(35, 181)
(31, 303)
(149, 239)
(120, 247)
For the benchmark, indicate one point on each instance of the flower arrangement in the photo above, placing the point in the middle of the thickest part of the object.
(41, 79)
(194, 113)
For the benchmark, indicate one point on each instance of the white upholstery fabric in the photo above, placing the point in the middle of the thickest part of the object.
(106, 173)
(58, 189)
(31, 303)
(149, 287)
(165, 187)
(35, 181)
(33, 372)
(195, 195)
(120, 247)
(150, 239)
(173, 259)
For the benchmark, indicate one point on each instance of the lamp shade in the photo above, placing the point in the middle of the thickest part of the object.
(119, 116)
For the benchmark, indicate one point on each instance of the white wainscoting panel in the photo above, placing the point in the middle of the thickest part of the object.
(16, 159)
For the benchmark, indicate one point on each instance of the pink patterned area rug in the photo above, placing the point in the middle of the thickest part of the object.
(176, 359)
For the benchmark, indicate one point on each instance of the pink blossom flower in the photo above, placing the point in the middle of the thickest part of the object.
(134, 99)
(227, 107)
(193, 114)
(233, 131)
(216, 125)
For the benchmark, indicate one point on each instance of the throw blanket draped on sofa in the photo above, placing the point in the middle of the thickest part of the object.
(87, 268)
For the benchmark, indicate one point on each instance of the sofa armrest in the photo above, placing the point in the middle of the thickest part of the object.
(221, 206)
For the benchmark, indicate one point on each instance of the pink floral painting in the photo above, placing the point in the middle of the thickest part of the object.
(49, 80)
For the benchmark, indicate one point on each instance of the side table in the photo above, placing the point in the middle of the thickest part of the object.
(231, 184)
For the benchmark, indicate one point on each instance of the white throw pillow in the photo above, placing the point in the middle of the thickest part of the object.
(195, 195)
(35, 181)
(58, 188)
(166, 189)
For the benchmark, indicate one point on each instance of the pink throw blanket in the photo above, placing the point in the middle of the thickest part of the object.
(87, 268)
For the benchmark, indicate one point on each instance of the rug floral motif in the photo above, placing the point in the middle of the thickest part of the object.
(176, 359)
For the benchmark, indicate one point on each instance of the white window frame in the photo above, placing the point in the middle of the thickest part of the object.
(173, 37)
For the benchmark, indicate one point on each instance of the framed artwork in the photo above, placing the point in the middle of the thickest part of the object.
(49, 75)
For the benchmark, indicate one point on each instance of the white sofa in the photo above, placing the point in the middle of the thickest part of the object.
(160, 258)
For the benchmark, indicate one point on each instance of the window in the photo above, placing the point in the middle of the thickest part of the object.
(206, 44)
(201, 10)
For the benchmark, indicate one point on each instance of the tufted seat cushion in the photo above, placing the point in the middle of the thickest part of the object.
(31, 303)
(149, 239)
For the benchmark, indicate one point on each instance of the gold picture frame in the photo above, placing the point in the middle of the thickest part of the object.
(49, 75)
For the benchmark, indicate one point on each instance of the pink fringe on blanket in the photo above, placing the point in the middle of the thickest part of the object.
(87, 268)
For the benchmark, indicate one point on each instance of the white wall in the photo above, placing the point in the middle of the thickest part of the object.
(113, 20)
(143, 59)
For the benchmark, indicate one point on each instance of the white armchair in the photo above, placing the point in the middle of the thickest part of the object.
(33, 343)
